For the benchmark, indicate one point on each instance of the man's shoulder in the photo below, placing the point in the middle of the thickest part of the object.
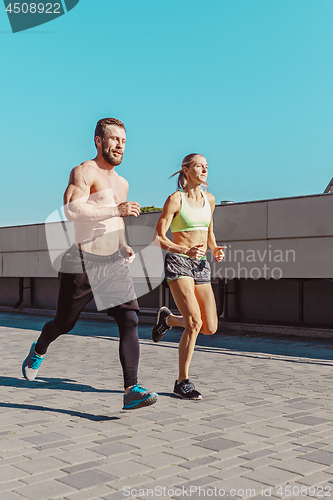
(85, 169)
(86, 166)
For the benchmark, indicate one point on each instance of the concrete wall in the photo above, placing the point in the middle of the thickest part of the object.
(293, 236)
(289, 240)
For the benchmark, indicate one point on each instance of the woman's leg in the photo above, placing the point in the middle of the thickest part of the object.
(206, 300)
(174, 320)
(183, 291)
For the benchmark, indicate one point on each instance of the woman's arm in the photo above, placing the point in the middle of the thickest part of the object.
(171, 207)
(211, 241)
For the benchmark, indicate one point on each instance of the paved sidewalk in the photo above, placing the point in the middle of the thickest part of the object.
(262, 430)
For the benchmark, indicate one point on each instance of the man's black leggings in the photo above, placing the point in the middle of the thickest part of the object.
(129, 350)
(109, 277)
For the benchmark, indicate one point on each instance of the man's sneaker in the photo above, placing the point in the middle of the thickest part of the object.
(31, 364)
(161, 325)
(186, 390)
(138, 397)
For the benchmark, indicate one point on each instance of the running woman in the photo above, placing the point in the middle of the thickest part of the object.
(95, 267)
(188, 213)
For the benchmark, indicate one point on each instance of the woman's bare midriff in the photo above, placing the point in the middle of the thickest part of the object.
(189, 239)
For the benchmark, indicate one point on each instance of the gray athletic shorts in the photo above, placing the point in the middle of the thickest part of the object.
(179, 266)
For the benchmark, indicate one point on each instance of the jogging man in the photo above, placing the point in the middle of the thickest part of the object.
(95, 267)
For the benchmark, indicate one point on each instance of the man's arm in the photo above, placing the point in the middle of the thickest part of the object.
(125, 250)
(78, 206)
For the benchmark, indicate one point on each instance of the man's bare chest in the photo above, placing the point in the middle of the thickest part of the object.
(106, 190)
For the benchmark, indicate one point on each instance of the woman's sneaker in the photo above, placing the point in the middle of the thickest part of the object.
(161, 324)
(31, 364)
(138, 397)
(186, 390)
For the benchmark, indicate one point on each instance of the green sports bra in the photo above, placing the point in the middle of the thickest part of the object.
(191, 218)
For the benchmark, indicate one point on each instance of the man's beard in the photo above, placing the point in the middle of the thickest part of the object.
(112, 160)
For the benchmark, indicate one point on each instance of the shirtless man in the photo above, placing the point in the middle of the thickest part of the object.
(95, 199)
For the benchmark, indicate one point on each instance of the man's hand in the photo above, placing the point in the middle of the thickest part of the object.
(128, 208)
(218, 253)
(128, 253)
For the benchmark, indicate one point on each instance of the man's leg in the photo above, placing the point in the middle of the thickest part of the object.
(74, 294)
(129, 349)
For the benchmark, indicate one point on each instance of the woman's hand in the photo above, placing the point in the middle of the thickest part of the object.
(219, 253)
(196, 252)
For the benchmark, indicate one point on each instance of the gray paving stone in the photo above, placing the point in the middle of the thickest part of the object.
(9, 495)
(112, 449)
(303, 467)
(125, 469)
(207, 436)
(81, 467)
(317, 478)
(45, 476)
(111, 439)
(239, 483)
(33, 422)
(56, 444)
(9, 473)
(260, 463)
(40, 465)
(90, 494)
(44, 490)
(218, 444)
(271, 476)
(10, 486)
(143, 442)
(159, 460)
(77, 456)
(160, 417)
(257, 454)
(86, 479)
(199, 462)
(201, 481)
(187, 452)
(44, 438)
(165, 472)
(171, 435)
(118, 495)
(222, 424)
(309, 420)
(228, 473)
(321, 457)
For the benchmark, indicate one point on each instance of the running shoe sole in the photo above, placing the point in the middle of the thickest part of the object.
(150, 400)
(197, 398)
(156, 338)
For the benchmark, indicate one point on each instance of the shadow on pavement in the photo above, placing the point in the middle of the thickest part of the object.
(248, 342)
(72, 413)
(52, 383)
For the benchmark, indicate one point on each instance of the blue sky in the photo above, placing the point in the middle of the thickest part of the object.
(247, 83)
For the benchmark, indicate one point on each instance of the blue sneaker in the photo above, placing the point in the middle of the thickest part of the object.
(138, 397)
(31, 364)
